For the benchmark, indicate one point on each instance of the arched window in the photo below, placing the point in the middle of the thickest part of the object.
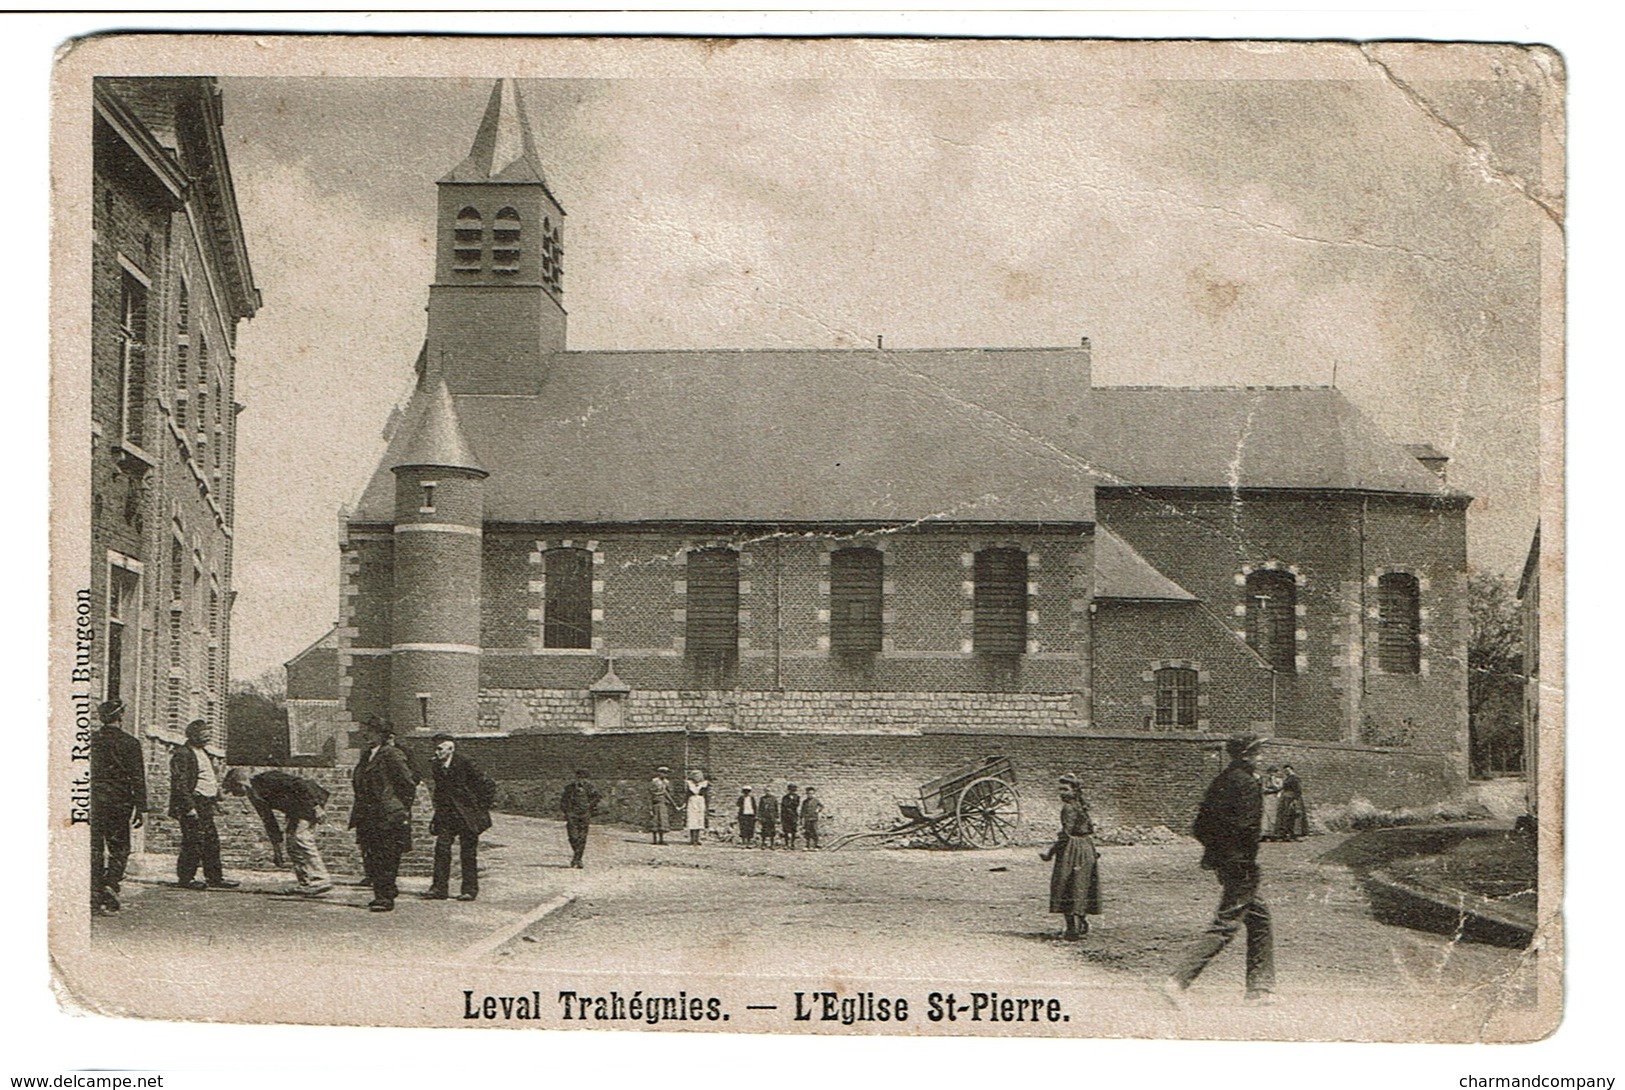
(567, 608)
(467, 238)
(856, 578)
(999, 602)
(505, 242)
(1272, 600)
(1399, 644)
(1176, 697)
(711, 628)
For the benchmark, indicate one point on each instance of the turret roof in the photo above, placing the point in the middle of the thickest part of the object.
(430, 433)
(504, 149)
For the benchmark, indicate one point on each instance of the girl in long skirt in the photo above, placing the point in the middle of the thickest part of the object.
(699, 798)
(660, 805)
(1074, 885)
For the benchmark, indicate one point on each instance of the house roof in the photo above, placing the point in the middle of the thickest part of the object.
(973, 435)
(1123, 574)
(1308, 437)
(329, 641)
(504, 149)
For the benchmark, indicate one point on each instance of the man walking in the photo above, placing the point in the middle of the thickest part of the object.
(746, 806)
(462, 811)
(382, 814)
(194, 796)
(580, 805)
(1228, 827)
(790, 815)
(767, 818)
(118, 799)
(303, 804)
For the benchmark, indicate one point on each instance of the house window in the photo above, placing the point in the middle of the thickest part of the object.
(467, 237)
(123, 607)
(132, 360)
(1272, 601)
(567, 610)
(183, 349)
(1399, 645)
(856, 578)
(999, 602)
(505, 242)
(1176, 697)
(711, 629)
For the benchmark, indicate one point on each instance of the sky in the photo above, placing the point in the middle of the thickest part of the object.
(1385, 233)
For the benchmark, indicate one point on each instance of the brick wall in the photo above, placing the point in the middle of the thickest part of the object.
(1132, 638)
(1334, 544)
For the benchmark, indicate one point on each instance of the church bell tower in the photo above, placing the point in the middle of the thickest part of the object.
(496, 308)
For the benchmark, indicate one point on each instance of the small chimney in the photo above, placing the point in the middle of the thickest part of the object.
(1428, 456)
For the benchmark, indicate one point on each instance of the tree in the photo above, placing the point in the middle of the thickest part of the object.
(257, 719)
(1495, 676)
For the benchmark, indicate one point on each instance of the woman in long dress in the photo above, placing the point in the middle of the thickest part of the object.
(1074, 884)
(660, 805)
(1272, 802)
(699, 798)
(1292, 821)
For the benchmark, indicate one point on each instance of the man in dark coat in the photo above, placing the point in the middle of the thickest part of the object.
(1228, 827)
(790, 815)
(118, 798)
(462, 811)
(580, 804)
(767, 818)
(303, 803)
(382, 814)
(194, 797)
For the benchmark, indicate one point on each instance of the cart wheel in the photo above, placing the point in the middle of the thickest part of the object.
(988, 814)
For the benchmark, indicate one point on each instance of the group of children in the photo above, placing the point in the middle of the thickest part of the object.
(770, 819)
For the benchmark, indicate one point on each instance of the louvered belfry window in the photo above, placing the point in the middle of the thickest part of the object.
(1176, 697)
(1399, 646)
(1272, 618)
(712, 626)
(999, 618)
(855, 596)
(567, 611)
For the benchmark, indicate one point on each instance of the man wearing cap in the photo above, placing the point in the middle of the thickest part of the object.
(580, 804)
(194, 797)
(382, 814)
(462, 811)
(1228, 827)
(118, 795)
(790, 815)
(303, 803)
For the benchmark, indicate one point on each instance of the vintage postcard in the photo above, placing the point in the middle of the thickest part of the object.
(1012, 538)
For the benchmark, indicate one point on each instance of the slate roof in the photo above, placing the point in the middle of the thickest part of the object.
(1309, 437)
(858, 436)
(504, 149)
(774, 436)
(1123, 574)
(429, 433)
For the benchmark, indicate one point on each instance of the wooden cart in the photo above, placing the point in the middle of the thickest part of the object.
(975, 806)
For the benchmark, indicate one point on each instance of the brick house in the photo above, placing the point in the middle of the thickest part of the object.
(857, 568)
(170, 281)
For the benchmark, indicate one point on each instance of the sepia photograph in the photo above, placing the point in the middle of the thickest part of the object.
(871, 536)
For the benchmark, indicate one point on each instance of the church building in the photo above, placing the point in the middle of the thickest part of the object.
(859, 568)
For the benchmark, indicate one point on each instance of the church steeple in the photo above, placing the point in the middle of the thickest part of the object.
(496, 309)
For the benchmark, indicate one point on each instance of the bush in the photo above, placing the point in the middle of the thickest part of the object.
(1359, 814)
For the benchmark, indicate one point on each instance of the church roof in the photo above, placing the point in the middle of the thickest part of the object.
(1301, 437)
(430, 433)
(504, 150)
(855, 436)
(775, 436)
(1124, 574)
